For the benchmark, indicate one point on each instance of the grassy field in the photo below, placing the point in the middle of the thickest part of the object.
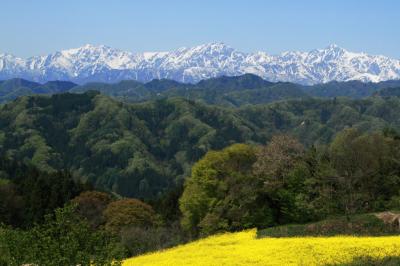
(245, 248)
(357, 225)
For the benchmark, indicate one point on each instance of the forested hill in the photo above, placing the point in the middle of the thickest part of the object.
(388, 92)
(224, 91)
(142, 149)
(14, 88)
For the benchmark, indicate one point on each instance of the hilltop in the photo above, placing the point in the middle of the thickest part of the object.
(226, 91)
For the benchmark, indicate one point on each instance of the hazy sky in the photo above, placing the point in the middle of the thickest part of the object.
(32, 27)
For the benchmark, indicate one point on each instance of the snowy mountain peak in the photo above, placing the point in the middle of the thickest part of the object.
(103, 63)
(214, 46)
(90, 49)
(335, 49)
(92, 46)
(334, 46)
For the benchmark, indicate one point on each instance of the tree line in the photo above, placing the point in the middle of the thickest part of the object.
(245, 186)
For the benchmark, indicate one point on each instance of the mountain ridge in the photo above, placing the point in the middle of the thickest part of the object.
(230, 91)
(191, 65)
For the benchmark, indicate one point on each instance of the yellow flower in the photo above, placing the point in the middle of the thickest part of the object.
(245, 249)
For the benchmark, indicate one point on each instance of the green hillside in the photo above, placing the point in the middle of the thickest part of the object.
(367, 224)
(142, 149)
(14, 88)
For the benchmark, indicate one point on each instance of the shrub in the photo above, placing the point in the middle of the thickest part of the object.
(128, 212)
(91, 204)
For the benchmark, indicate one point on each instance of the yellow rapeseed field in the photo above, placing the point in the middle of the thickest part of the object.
(245, 249)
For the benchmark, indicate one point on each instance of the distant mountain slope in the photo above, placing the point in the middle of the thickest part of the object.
(243, 82)
(388, 92)
(236, 91)
(124, 89)
(91, 63)
(13, 88)
(227, 91)
(352, 89)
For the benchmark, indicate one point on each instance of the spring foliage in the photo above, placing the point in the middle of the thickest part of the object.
(142, 150)
(245, 186)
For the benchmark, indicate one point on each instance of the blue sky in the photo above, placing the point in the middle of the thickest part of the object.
(32, 27)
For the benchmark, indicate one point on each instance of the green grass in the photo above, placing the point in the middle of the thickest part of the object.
(358, 225)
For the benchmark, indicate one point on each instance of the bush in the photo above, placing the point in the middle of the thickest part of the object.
(127, 213)
(140, 240)
(91, 204)
(62, 240)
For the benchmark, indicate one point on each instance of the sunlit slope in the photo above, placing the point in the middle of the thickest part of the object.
(245, 249)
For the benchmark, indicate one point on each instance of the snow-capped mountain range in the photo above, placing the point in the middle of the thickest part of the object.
(105, 64)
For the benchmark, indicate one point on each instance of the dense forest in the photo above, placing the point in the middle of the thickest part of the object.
(244, 186)
(144, 149)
